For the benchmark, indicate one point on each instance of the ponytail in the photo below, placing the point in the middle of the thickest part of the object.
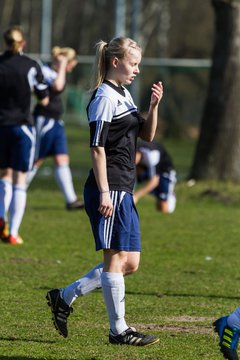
(100, 65)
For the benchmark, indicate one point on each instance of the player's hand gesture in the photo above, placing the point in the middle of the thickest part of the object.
(62, 61)
(157, 93)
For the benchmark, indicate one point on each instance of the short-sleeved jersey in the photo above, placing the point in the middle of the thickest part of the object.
(155, 158)
(115, 124)
(19, 77)
(54, 109)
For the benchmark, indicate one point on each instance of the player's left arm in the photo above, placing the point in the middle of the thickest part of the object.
(60, 81)
(149, 126)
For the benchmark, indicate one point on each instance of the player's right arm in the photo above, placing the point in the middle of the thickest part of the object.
(100, 172)
(100, 114)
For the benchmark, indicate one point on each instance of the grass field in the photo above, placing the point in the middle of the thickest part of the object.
(188, 274)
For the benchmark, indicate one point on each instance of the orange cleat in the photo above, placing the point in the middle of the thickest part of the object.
(12, 240)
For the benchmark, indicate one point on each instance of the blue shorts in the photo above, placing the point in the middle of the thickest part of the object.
(121, 231)
(17, 147)
(51, 138)
(166, 185)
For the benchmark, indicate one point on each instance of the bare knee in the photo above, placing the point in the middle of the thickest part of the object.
(121, 261)
(6, 174)
(130, 269)
(132, 264)
(61, 159)
(162, 206)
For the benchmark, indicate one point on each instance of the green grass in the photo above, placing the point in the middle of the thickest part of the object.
(188, 274)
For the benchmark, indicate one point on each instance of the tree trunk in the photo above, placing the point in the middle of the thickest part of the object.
(217, 153)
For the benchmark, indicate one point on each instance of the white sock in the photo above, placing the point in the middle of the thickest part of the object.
(17, 208)
(86, 284)
(171, 203)
(234, 319)
(63, 177)
(5, 197)
(30, 175)
(113, 288)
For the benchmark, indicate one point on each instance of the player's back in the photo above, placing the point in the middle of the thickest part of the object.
(15, 88)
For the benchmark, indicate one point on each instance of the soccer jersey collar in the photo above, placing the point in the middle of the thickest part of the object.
(119, 89)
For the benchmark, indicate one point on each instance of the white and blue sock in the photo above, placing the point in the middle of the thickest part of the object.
(86, 284)
(17, 208)
(5, 197)
(113, 288)
(64, 180)
(31, 174)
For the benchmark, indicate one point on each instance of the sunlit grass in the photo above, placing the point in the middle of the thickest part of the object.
(188, 274)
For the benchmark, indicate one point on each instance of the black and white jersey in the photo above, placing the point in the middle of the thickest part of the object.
(155, 158)
(54, 109)
(115, 124)
(19, 77)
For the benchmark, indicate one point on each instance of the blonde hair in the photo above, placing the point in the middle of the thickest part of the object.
(118, 47)
(14, 39)
(69, 52)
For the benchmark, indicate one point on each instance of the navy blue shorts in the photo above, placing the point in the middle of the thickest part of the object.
(17, 147)
(121, 231)
(166, 185)
(51, 138)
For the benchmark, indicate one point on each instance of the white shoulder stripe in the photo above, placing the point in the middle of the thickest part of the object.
(99, 126)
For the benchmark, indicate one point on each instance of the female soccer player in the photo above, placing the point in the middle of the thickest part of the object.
(51, 138)
(115, 124)
(19, 76)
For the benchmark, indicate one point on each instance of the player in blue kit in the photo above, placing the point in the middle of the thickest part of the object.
(51, 137)
(228, 329)
(19, 76)
(115, 124)
(156, 175)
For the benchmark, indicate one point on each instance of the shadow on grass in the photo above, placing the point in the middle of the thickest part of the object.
(45, 208)
(19, 358)
(210, 296)
(11, 338)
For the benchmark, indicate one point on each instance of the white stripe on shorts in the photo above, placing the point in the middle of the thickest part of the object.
(109, 222)
(32, 137)
(44, 129)
(41, 131)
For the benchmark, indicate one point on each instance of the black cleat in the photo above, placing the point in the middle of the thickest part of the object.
(132, 337)
(60, 311)
(76, 205)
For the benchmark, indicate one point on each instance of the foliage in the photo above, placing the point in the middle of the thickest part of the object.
(167, 28)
